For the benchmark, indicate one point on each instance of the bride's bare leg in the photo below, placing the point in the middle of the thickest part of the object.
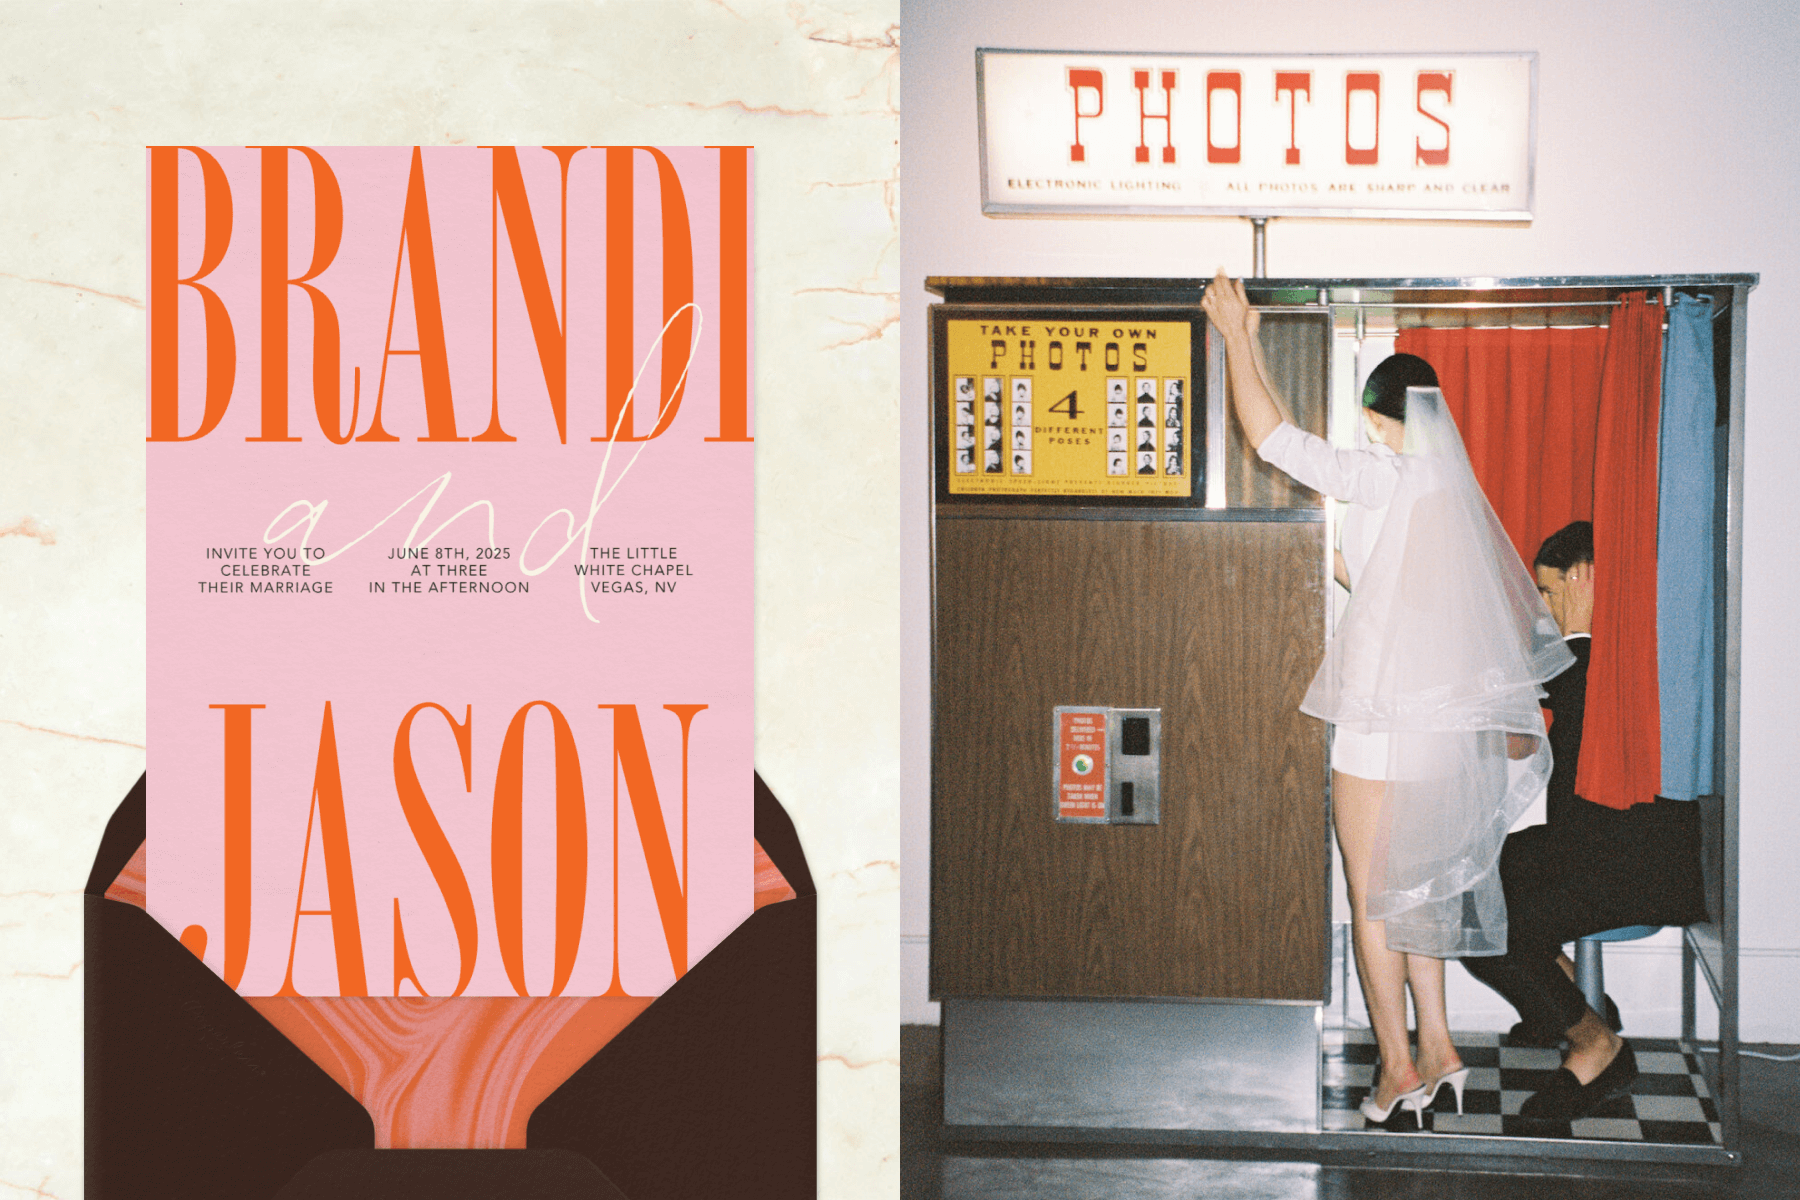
(1437, 1053)
(1356, 809)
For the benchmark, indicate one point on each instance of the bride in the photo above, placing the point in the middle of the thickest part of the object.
(1430, 685)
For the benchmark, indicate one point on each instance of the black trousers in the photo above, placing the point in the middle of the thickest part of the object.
(1596, 869)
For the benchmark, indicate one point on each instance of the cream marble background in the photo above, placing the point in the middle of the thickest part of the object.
(84, 87)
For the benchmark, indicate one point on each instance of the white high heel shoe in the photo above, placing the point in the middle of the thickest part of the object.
(1415, 1100)
(1456, 1079)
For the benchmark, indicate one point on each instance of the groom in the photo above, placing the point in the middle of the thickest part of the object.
(1590, 869)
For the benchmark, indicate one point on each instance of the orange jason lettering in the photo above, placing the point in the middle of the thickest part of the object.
(666, 864)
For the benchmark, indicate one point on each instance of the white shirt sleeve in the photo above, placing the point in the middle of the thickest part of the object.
(1365, 477)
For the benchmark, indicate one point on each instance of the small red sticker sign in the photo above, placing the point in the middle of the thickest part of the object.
(1081, 766)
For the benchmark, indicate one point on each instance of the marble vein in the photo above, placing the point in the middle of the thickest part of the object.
(871, 331)
(755, 110)
(888, 39)
(883, 1060)
(80, 737)
(853, 872)
(76, 287)
(29, 528)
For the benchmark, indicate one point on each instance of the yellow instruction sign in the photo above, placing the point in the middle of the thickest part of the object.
(1088, 407)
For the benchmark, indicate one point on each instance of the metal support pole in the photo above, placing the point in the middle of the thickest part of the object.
(1259, 248)
(1731, 1101)
(1689, 1008)
(1590, 973)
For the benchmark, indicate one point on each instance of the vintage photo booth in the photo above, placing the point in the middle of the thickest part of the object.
(1131, 893)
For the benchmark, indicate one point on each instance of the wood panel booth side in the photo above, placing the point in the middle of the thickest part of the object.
(1215, 618)
(1219, 625)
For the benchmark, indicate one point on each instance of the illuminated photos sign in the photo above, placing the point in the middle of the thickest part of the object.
(1439, 136)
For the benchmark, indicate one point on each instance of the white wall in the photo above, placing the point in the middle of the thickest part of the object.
(1665, 145)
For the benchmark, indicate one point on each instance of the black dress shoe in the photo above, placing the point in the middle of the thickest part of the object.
(1528, 1036)
(1614, 1021)
(1568, 1099)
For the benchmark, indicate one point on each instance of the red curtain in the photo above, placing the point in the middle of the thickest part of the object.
(1525, 401)
(1561, 425)
(1621, 742)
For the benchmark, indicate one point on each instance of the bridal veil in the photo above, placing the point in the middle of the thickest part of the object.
(1443, 646)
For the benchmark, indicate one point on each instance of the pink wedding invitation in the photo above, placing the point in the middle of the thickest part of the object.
(450, 565)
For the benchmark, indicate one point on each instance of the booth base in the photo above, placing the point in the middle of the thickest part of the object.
(1110, 1064)
(1268, 1075)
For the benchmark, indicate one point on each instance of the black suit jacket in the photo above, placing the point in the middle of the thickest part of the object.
(1641, 863)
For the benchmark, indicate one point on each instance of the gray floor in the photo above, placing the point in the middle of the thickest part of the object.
(933, 1168)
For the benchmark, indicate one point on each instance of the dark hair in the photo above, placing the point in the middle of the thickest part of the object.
(1573, 543)
(1385, 390)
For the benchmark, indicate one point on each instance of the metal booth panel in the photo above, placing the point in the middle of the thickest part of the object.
(1102, 1065)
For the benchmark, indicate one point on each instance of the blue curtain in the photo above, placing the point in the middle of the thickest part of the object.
(1684, 584)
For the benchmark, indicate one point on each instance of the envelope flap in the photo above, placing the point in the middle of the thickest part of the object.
(124, 834)
(775, 833)
(713, 1090)
(181, 1071)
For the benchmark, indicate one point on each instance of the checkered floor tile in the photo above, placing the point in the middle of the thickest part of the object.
(1669, 1102)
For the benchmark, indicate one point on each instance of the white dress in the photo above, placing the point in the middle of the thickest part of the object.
(1364, 479)
(1440, 653)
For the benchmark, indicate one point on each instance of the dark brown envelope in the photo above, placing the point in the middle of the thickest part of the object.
(710, 1092)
